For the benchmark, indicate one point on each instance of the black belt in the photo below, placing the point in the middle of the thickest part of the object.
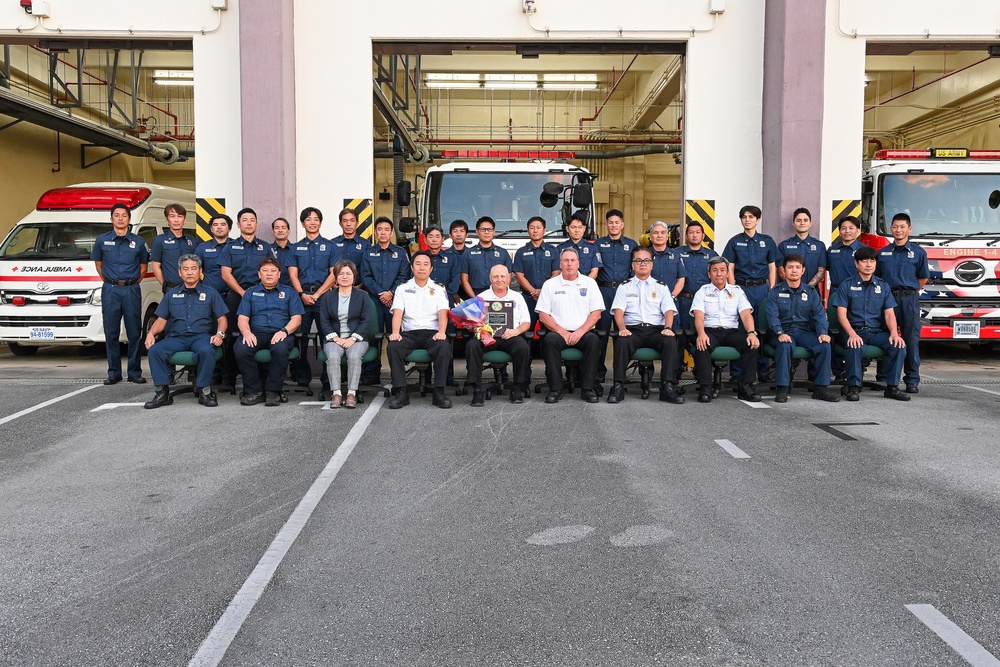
(122, 283)
(608, 283)
(167, 286)
(246, 285)
(645, 324)
(312, 287)
(903, 292)
(685, 295)
(751, 283)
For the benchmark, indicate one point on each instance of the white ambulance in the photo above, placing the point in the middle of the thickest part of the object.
(50, 293)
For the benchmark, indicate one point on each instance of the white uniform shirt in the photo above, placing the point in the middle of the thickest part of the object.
(420, 305)
(521, 312)
(569, 302)
(722, 307)
(643, 301)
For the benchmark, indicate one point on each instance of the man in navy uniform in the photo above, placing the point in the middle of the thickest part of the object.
(801, 243)
(121, 258)
(752, 259)
(210, 252)
(590, 260)
(718, 309)
(384, 267)
(238, 264)
(903, 265)
(667, 265)
(350, 245)
(194, 317)
(268, 315)
(281, 248)
(446, 263)
(615, 253)
(694, 257)
(169, 246)
(796, 318)
(477, 262)
(644, 312)
(458, 232)
(840, 257)
(419, 321)
(534, 263)
(866, 311)
(309, 274)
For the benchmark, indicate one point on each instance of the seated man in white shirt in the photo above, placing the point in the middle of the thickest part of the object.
(644, 314)
(510, 340)
(569, 306)
(419, 320)
(717, 310)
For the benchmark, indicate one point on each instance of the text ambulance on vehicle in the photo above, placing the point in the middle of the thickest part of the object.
(953, 199)
(50, 292)
(508, 192)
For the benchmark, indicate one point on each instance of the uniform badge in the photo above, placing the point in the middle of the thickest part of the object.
(496, 253)
(625, 245)
(583, 291)
(281, 295)
(547, 254)
(322, 247)
(729, 295)
(763, 245)
(395, 255)
(812, 246)
(878, 289)
(654, 295)
(444, 260)
(805, 296)
(431, 291)
(909, 254)
(201, 297)
(131, 244)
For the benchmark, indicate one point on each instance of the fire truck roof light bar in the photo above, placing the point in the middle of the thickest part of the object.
(91, 199)
(503, 155)
(939, 153)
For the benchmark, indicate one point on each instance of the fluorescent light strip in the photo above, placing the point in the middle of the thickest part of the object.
(174, 82)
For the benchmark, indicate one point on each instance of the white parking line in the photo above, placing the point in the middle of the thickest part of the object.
(28, 411)
(985, 391)
(757, 406)
(112, 406)
(212, 650)
(733, 450)
(954, 636)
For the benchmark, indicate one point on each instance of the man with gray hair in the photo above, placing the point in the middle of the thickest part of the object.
(194, 317)
(569, 307)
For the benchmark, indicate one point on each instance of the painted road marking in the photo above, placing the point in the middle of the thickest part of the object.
(755, 405)
(954, 636)
(733, 450)
(325, 404)
(986, 391)
(212, 650)
(828, 427)
(560, 535)
(40, 406)
(112, 406)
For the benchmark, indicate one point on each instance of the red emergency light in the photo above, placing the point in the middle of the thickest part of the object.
(505, 155)
(91, 199)
(939, 153)
(17, 300)
(63, 300)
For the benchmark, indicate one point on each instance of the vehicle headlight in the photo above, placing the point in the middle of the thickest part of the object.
(3, 298)
(94, 299)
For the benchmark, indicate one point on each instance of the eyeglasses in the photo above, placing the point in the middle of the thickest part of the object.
(485, 229)
(642, 261)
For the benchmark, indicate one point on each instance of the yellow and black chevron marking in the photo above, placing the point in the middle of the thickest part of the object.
(207, 209)
(702, 210)
(842, 207)
(365, 212)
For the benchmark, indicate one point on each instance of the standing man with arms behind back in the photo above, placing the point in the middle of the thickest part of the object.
(813, 250)
(309, 271)
(384, 268)
(121, 258)
(904, 266)
(169, 246)
(615, 253)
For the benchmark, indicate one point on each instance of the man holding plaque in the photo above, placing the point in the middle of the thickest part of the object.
(509, 317)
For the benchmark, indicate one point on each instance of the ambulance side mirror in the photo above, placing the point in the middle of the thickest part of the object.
(995, 199)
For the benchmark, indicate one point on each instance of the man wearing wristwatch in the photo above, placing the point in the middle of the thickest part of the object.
(268, 314)
(717, 310)
(194, 317)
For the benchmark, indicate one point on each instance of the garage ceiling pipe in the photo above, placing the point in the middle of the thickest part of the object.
(629, 151)
(414, 151)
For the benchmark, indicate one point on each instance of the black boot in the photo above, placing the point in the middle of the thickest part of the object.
(400, 398)
(160, 398)
(668, 394)
(440, 399)
(617, 393)
(746, 392)
(207, 397)
(478, 400)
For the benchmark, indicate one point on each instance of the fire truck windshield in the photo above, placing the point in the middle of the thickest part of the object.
(940, 204)
(509, 198)
(59, 241)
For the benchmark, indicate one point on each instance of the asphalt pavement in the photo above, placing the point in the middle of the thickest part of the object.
(635, 534)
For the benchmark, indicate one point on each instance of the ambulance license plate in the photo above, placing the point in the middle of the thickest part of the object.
(45, 333)
(965, 329)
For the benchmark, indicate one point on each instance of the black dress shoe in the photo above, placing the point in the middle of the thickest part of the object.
(399, 399)
(553, 397)
(207, 398)
(517, 395)
(704, 395)
(160, 398)
(894, 393)
(478, 400)
(912, 389)
(823, 393)
(273, 399)
(746, 392)
(854, 394)
(252, 399)
(590, 396)
(617, 393)
(440, 400)
(138, 380)
(668, 394)
(111, 381)
(781, 395)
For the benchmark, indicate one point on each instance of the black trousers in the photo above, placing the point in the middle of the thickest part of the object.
(722, 338)
(517, 347)
(553, 344)
(418, 339)
(276, 370)
(645, 335)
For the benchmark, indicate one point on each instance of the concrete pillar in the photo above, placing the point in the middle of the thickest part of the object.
(792, 121)
(267, 74)
(219, 157)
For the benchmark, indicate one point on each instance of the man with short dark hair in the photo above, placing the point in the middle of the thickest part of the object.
(121, 258)
(615, 253)
(813, 250)
(194, 317)
(384, 268)
(458, 231)
(269, 313)
(534, 263)
(350, 245)
(309, 271)
(419, 321)
(590, 260)
(211, 251)
(281, 248)
(169, 246)
(569, 307)
(482, 257)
